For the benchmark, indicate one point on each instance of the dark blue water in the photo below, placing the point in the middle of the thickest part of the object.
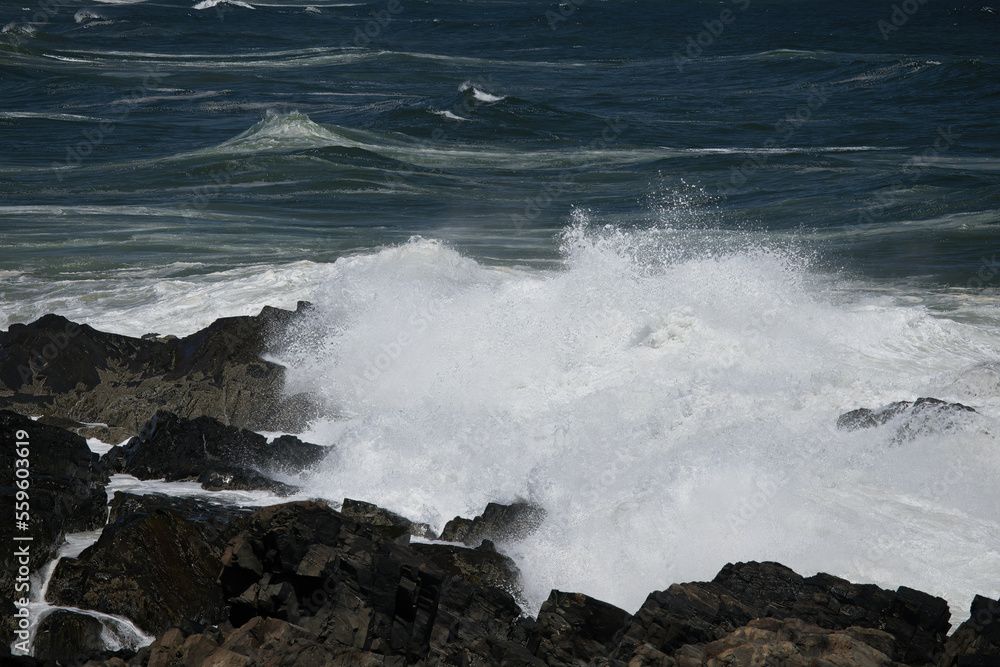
(484, 123)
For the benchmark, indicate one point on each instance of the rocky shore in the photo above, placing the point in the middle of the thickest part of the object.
(307, 584)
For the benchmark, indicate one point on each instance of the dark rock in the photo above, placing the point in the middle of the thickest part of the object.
(65, 494)
(976, 643)
(482, 566)
(573, 626)
(356, 592)
(62, 369)
(156, 562)
(241, 479)
(65, 635)
(705, 612)
(360, 510)
(312, 586)
(768, 642)
(915, 417)
(205, 449)
(497, 523)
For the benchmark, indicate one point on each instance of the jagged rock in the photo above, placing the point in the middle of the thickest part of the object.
(356, 592)
(976, 643)
(60, 368)
(497, 523)
(65, 635)
(311, 586)
(156, 562)
(699, 613)
(916, 417)
(573, 626)
(377, 516)
(768, 642)
(482, 566)
(205, 449)
(241, 479)
(65, 494)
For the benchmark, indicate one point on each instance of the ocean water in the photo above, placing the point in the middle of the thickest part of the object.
(626, 260)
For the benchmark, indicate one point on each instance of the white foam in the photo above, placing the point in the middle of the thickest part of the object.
(159, 301)
(447, 114)
(480, 95)
(130, 484)
(88, 15)
(208, 4)
(670, 402)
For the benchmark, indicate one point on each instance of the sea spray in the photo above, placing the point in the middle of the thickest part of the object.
(671, 409)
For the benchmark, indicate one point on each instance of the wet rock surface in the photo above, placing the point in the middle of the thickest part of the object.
(378, 516)
(303, 584)
(217, 455)
(64, 635)
(705, 612)
(497, 523)
(59, 368)
(913, 418)
(65, 494)
(156, 563)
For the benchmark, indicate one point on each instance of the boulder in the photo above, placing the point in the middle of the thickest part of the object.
(204, 449)
(913, 418)
(700, 613)
(497, 523)
(377, 516)
(976, 643)
(157, 563)
(573, 626)
(59, 368)
(482, 566)
(356, 592)
(65, 635)
(768, 642)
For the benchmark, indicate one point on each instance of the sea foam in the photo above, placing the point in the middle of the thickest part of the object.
(671, 405)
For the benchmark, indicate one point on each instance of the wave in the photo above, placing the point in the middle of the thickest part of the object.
(208, 4)
(479, 94)
(669, 397)
(83, 15)
(179, 298)
(447, 114)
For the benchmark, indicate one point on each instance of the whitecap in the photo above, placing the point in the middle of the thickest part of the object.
(480, 95)
(447, 114)
(208, 4)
